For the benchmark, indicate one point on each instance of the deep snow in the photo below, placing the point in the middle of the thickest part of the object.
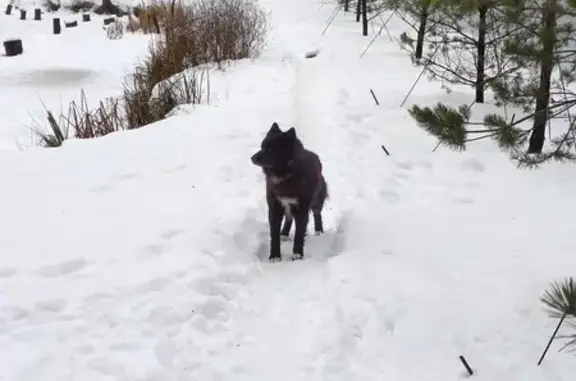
(142, 255)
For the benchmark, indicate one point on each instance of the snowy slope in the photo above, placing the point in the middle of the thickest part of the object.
(142, 255)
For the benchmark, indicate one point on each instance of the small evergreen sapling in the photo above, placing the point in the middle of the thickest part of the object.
(560, 302)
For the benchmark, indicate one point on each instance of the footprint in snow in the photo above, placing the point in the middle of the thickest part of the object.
(175, 169)
(171, 233)
(8, 272)
(106, 366)
(14, 313)
(463, 200)
(114, 181)
(51, 305)
(152, 250)
(390, 196)
(63, 268)
(473, 165)
(125, 176)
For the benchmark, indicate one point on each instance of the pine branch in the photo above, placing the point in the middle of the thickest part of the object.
(560, 298)
(445, 123)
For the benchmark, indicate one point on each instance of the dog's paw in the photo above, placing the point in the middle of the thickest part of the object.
(296, 257)
(318, 232)
(274, 259)
(284, 238)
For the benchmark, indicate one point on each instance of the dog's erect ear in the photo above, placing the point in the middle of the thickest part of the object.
(291, 133)
(274, 130)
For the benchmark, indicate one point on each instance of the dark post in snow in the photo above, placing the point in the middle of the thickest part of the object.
(22, 14)
(37, 14)
(56, 27)
(13, 47)
(86, 17)
(71, 24)
(364, 18)
(465, 363)
(9, 9)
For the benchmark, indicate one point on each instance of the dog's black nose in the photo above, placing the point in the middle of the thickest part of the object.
(255, 158)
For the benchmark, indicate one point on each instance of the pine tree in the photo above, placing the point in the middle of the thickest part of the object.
(415, 13)
(542, 50)
(467, 46)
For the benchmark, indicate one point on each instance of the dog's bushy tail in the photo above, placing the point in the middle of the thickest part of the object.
(320, 197)
(324, 190)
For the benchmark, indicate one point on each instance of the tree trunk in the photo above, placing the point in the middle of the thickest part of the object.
(107, 5)
(358, 8)
(422, 30)
(346, 5)
(364, 18)
(107, 8)
(481, 50)
(546, 65)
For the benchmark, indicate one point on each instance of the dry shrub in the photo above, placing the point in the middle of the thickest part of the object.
(133, 24)
(230, 29)
(191, 35)
(51, 5)
(201, 32)
(151, 16)
(219, 30)
(143, 105)
(170, 54)
(78, 6)
(115, 30)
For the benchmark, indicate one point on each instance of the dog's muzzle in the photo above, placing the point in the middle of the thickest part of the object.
(256, 158)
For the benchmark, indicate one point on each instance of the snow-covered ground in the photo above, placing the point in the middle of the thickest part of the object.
(142, 255)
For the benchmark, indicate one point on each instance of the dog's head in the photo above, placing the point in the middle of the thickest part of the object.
(278, 149)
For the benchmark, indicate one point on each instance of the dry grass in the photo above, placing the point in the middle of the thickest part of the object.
(82, 122)
(144, 104)
(188, 36)
(134, 109)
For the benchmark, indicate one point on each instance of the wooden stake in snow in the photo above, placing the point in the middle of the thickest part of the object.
(374, 96)
(465, 363)
(56, 27)
(13, 48)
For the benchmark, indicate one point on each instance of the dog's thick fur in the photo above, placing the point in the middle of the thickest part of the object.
(294, 187)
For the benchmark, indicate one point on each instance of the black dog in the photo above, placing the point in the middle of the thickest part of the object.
(294, 186)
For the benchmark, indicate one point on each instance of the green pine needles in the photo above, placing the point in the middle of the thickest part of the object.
(560, 302)
(454, 129)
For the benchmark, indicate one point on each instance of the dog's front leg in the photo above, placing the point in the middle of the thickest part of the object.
(275, 215)
(301, 222)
